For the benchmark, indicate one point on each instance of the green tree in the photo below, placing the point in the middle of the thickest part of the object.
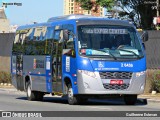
(93, 5)
(138, 11)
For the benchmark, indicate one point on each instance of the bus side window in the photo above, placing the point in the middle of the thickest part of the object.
(16, 43)
(69, 47)
(49, 40)
(37, 41)
(70, 43)
(28, 42)
(18, 47)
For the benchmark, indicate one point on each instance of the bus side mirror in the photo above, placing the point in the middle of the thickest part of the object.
(144, 36)
(66, 35)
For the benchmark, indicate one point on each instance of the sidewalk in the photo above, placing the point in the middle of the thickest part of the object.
(150, 98)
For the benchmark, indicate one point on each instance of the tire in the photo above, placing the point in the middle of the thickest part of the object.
(83, 100)
(39, 96)
(130, 99)
(72, 99)
(33, 95)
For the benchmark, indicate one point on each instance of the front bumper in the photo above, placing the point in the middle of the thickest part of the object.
(91, 85)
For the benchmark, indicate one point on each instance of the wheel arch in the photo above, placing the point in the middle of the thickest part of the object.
(69, 80)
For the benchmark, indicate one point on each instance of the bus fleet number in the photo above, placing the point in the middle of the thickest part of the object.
(126, 65)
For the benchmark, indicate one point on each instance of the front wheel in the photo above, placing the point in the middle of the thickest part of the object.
(72, 99)
(130, 99)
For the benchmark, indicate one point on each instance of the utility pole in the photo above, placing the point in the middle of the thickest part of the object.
(157, 8)
(157, 12)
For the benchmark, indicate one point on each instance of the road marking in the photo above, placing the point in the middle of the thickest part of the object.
(101, 108)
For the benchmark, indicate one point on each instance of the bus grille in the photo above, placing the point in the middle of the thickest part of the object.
(115, 87)
(115, 75)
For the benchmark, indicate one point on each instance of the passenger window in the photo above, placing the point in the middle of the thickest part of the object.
(49, 34)
(29, 35)
(18, 47)
(48, 41)
(37, 34)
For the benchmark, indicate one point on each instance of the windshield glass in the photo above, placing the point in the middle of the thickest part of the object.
(110, 41)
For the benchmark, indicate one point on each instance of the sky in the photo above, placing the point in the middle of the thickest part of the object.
(32, 11)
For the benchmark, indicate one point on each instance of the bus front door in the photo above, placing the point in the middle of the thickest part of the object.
(57, 67)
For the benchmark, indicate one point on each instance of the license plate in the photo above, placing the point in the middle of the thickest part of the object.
(116, 82)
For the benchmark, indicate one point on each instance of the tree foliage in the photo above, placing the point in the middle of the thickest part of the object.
(93, 5)
(138, 11)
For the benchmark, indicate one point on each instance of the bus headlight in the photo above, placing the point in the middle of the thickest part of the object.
(91, 74)
(138, 74)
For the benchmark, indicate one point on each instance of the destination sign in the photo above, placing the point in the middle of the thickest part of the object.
(104, 31)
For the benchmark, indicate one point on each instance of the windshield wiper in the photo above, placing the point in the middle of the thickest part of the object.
(110, 54)
(130, 52)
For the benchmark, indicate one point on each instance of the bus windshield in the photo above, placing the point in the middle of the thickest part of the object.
(109, 41)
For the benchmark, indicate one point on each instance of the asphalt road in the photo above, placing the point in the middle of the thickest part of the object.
(12, 100)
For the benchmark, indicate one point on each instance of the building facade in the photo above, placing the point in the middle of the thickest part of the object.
(72, 7)
(4, 22)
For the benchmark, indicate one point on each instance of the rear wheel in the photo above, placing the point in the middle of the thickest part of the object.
(39, 96)
(130, 99)
(72, 99)
(33, 95)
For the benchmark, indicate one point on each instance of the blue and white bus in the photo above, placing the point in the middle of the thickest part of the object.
(79, 56)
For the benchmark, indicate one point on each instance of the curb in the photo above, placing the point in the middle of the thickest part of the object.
(6, 85)
(149, 99)
(153, 100)
(146, 100)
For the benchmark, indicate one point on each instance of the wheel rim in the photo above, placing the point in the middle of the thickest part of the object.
(29, 91)
(70, 94)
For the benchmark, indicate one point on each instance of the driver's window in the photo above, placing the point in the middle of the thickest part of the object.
(70, 43)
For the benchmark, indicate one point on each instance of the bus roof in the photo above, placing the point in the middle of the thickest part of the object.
(81, 17)
(82, 20)
(90, 20)
(70, 17)
(32, 26)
